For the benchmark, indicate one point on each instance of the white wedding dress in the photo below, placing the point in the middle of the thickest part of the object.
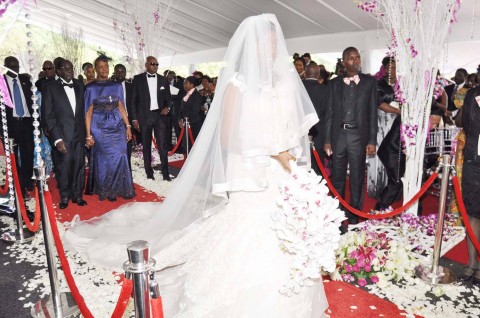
(234, 266)
(217, 253)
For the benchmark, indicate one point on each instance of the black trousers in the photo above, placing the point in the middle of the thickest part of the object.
(22, 132)
(349, 150)
(394, 162)
(70, 170)
(158, 124)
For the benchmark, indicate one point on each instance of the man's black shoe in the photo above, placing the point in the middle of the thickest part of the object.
(151, 177)
(79, 201)
(63, 203)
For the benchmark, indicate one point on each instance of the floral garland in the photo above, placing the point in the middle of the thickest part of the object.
(307, 225)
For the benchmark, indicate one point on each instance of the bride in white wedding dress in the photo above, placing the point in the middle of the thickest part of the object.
(213, 235)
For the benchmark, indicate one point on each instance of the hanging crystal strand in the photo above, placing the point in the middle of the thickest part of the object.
(473, 18)
(35, 115)
(6, 145)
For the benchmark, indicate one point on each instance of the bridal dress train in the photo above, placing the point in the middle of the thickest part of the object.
(236, 267)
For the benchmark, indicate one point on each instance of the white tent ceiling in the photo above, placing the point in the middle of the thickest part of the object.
(199, 30)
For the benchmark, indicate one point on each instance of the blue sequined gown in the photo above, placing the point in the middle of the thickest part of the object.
(109, 174)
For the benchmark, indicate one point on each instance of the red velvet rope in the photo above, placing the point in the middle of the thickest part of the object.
(123, 298)
(395, 212)
(127, 287)
(63, 260)
(463, 212)
(178, 142)
(157, 307)
(191, 135)
(16, 182)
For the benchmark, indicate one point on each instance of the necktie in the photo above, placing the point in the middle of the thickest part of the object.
(150, 75)
(69, 85)
(355, 79)
(18, 99)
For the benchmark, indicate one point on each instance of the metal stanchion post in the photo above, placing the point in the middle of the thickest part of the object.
(139, 266)
(187, 135)
(58, 304)
(436, 274)
(21, 235)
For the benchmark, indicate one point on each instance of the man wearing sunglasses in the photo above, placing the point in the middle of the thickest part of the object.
(150, 106)
(49, 71)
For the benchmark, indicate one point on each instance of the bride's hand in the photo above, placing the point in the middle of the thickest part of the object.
(284, 159)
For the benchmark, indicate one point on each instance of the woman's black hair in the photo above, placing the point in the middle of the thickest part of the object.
(195, 81)
(101, 58)
(301, 60)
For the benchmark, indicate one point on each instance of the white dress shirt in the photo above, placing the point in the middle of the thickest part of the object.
(152, 87)
(70, 91)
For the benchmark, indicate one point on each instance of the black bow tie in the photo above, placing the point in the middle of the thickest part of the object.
(150, 75)
(69, 85)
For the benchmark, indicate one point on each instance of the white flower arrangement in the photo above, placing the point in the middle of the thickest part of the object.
(307, 224)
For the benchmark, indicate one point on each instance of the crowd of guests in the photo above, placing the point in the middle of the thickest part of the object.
(358, 131)
(100, 117)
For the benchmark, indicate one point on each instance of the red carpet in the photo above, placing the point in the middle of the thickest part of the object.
(96, 207)
(346, 301)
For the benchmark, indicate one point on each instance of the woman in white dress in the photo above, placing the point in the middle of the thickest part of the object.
(213, 234)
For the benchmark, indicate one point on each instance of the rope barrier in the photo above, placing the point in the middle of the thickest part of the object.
(191, 135)
(395, 212)
(463, 212)
(123, 298)
(157, 307)
(16, 182)
(179, 140)
(63, 260)
(127, 287)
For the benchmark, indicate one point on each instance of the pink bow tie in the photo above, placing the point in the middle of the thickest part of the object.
(354, 78)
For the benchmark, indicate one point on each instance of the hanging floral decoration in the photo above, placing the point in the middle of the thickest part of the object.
(141, 31)
(418, 31)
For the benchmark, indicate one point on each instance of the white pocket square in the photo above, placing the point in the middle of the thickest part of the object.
(162, 87)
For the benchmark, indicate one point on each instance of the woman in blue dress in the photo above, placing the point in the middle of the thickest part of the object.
(108, 132)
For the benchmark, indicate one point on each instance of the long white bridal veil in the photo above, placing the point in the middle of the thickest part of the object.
(260, 108)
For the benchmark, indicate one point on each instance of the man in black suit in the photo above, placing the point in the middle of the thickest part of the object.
(176, 82)
(49, 71)
(63, 117)
(460, 81)
(20, 121)
(319, 95)
(120, 73)
(150, 111)
(351, 127)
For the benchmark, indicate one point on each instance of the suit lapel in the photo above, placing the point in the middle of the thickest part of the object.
(78, 97)
(64, 95)
(147, 90)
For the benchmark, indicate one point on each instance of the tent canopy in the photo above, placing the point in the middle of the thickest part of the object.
(199, 30)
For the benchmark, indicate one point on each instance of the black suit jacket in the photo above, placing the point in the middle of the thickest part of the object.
(57, 113)
(449, 91)
(128, 98)
(26, 85)
(319, 94)
(140, 102)
(365, 110)
(191, 108)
